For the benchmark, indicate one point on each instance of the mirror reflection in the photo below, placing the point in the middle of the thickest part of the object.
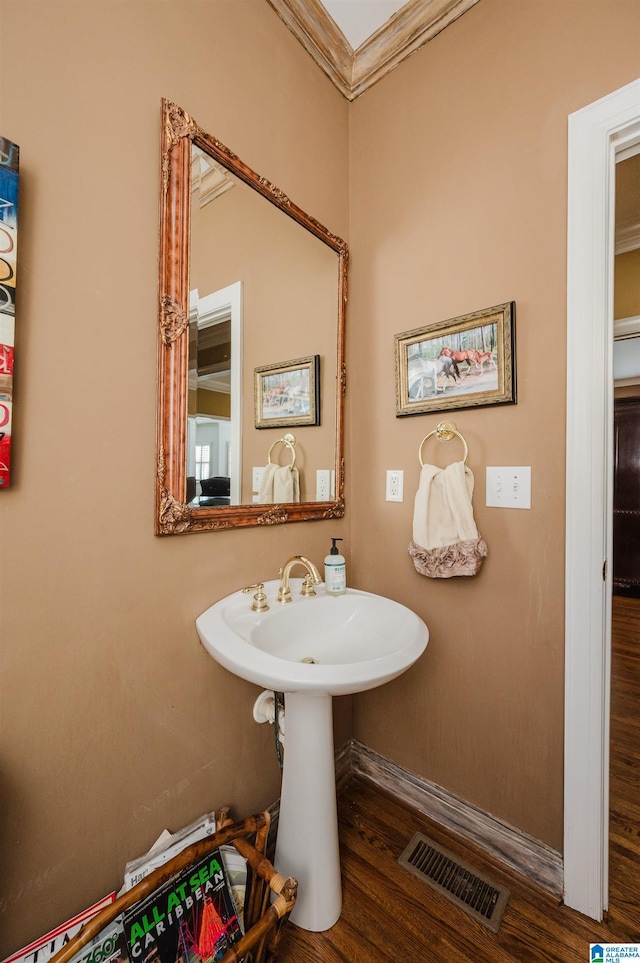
(253, 293)
(283, 283)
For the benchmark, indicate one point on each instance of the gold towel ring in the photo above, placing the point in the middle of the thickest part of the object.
(290, 441)
(445, 431)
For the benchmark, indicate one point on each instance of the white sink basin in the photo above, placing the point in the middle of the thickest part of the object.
(358, 640)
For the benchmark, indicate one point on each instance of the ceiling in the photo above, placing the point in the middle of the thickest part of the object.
(358, 19)
(357, 42)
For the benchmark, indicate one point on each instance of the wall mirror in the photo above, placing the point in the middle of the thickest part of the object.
(251, 335)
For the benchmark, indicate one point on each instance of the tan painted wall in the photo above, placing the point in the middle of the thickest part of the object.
(209, 403)
(459, 203)
(115, 723)
(626, 302)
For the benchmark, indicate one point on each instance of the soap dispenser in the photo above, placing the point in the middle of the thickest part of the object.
(335, 571)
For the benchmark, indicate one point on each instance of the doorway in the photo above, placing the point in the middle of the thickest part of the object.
(626, 498)
(599, 134)
(626, 375)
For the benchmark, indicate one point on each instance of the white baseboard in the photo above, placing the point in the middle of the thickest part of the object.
(526, 855)
(521, 852)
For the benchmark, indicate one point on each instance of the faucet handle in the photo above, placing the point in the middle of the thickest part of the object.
(307, 587)
(284, 595)
(259, 603)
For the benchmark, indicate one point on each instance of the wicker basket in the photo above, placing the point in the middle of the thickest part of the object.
(264, 918)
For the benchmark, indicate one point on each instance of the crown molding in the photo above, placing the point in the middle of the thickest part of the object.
(626, 328)
(628, 239)
(354, 71)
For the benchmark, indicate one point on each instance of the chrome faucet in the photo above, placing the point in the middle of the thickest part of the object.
(313, 577)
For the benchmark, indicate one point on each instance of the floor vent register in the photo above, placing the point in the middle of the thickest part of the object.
(460, 883)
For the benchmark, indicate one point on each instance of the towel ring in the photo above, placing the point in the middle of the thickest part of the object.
(445, 431)
(290, 441)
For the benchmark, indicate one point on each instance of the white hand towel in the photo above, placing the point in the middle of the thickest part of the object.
(286, 485)
(446, 541)
(265, 495)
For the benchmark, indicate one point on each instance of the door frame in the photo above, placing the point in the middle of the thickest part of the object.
(598, 136)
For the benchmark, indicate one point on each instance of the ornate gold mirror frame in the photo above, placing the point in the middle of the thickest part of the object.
(173, 515)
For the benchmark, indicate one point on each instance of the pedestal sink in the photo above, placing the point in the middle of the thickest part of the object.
(312, 649)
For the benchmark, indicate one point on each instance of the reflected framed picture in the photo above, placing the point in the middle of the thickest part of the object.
(465, 362)
(288, 394)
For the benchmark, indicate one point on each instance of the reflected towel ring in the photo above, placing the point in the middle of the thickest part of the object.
(290, 441)
(444, 432)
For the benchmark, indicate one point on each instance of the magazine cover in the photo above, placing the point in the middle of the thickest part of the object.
(107, 947)
(190, 919)
(235, 867)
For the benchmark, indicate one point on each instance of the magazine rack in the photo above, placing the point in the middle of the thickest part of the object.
(268, 903)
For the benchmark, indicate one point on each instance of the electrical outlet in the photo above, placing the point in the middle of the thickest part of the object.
(395, 485)
(257, 478)
(509, 487)
(323, 484)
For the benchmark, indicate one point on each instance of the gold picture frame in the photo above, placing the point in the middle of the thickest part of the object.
(180, 137)
(287, 394)
(465, 362)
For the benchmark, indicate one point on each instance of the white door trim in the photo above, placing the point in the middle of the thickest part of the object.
(226, 303)
(597, 133)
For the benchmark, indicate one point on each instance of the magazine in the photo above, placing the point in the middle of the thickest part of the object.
(236, 869)
(191, 918)
(47, 946)
(167, 846)
(107, 947)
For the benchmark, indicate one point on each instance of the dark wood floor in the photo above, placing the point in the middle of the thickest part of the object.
(624, 785)
(389, 916)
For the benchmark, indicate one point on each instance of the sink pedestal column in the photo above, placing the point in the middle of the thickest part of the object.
(307, 845)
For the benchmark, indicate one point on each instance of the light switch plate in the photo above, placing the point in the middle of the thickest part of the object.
(509, 487)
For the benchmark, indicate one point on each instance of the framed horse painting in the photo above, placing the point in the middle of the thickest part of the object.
(466, 362)
(288, 393)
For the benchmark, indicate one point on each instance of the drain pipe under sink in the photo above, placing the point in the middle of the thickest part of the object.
(264, 710)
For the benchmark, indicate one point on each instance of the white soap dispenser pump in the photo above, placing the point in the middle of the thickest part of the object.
(335, 571)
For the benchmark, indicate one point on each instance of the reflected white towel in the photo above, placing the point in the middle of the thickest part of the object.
(286, 485)
(279, 485)
(446, 541)
(265, 495)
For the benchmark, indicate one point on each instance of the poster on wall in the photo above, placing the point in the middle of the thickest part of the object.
(9, 158)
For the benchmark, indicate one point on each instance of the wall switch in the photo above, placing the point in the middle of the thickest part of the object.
(509, 487)
(395, 485)
(325, 484)
(257, 474)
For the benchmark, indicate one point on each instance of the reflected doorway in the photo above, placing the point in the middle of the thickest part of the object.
(209, 461)
(214, 421)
